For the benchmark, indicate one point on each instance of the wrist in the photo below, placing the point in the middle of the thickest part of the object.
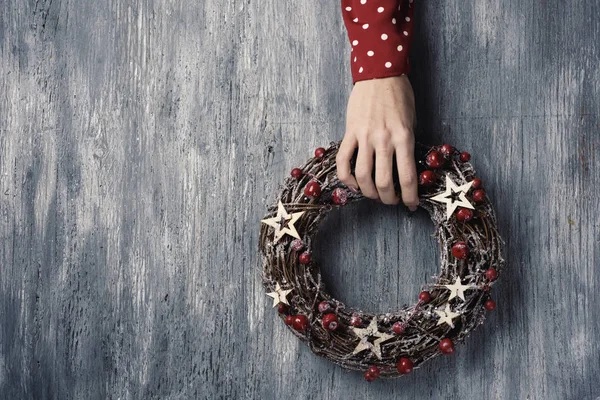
(382, 79)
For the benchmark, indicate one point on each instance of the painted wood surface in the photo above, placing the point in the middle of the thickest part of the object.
(141, 142)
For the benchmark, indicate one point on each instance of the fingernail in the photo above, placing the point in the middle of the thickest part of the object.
(412, 208)
(353, 189)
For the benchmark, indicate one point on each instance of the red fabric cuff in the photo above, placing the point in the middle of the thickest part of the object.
(380, 33)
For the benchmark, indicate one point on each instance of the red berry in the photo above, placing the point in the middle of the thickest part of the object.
(398, 327)
(369, 377)
(424, 297)
(374, 371)
(464, 214)
(281, 308)
(427, 178)
(490, 305)
(339, 196)
(324, 306)
(319, 152)
(312, 189)
(435, 159)
(297, 244)
(296, 173)
(355, 320)
(330, 322)
(289, 320)
(446, 346)
(476, 183)
(491, 273)
(446, 150)
(460, 250)
(464, 156)
(479, 195)
(304, 258)
(405, 366)
(300, 322)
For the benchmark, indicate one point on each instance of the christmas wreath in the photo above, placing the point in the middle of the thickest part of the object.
(390, 344)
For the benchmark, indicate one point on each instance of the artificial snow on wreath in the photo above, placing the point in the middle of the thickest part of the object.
(389, 344)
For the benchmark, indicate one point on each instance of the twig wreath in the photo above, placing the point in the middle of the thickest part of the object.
(391, 344)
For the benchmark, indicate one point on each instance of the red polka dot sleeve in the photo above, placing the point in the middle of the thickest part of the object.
(380, 32)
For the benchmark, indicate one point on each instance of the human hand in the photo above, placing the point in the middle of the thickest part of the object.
(380, 121)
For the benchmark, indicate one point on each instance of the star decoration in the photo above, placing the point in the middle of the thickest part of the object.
(457, 289)
(446, 316)
(283, 223)
(370, 331)
(446, 196)
(279, 295)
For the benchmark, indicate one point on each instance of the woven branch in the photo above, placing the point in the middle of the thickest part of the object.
(420, 340)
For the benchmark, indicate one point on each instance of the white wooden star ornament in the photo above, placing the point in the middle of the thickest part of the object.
(457, 289)
(283, 223)
(446, 196)
(446, 316)
(279, 295)
(370, 331)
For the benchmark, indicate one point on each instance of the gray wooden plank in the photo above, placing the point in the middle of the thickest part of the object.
(141, 141)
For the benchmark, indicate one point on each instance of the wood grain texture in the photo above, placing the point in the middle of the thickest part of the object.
(141, 141)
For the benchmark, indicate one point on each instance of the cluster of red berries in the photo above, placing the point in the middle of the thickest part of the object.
(404, 366)
(355, 320)
(313, 189)
(438, 156)
(304, 256)
(299, 322)
(372, 373)
(329, 320)
(491, 274)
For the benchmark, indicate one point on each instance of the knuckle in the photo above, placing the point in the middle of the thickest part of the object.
(408, 179)
(382, 139)
(362, 175)
(406, 141)
(340, 158)
(405, 129)
(345, 179)
(384, 183)
(362, 137)
(343, 175)
(405, 136)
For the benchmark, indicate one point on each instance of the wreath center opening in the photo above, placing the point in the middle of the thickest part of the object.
(374, 257)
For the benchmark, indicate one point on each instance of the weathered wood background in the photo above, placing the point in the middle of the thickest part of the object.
(141, 142)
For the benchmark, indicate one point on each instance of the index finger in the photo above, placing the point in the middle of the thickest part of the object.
(342, 160)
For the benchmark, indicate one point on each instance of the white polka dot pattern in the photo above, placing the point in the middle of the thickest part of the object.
(381, 40)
